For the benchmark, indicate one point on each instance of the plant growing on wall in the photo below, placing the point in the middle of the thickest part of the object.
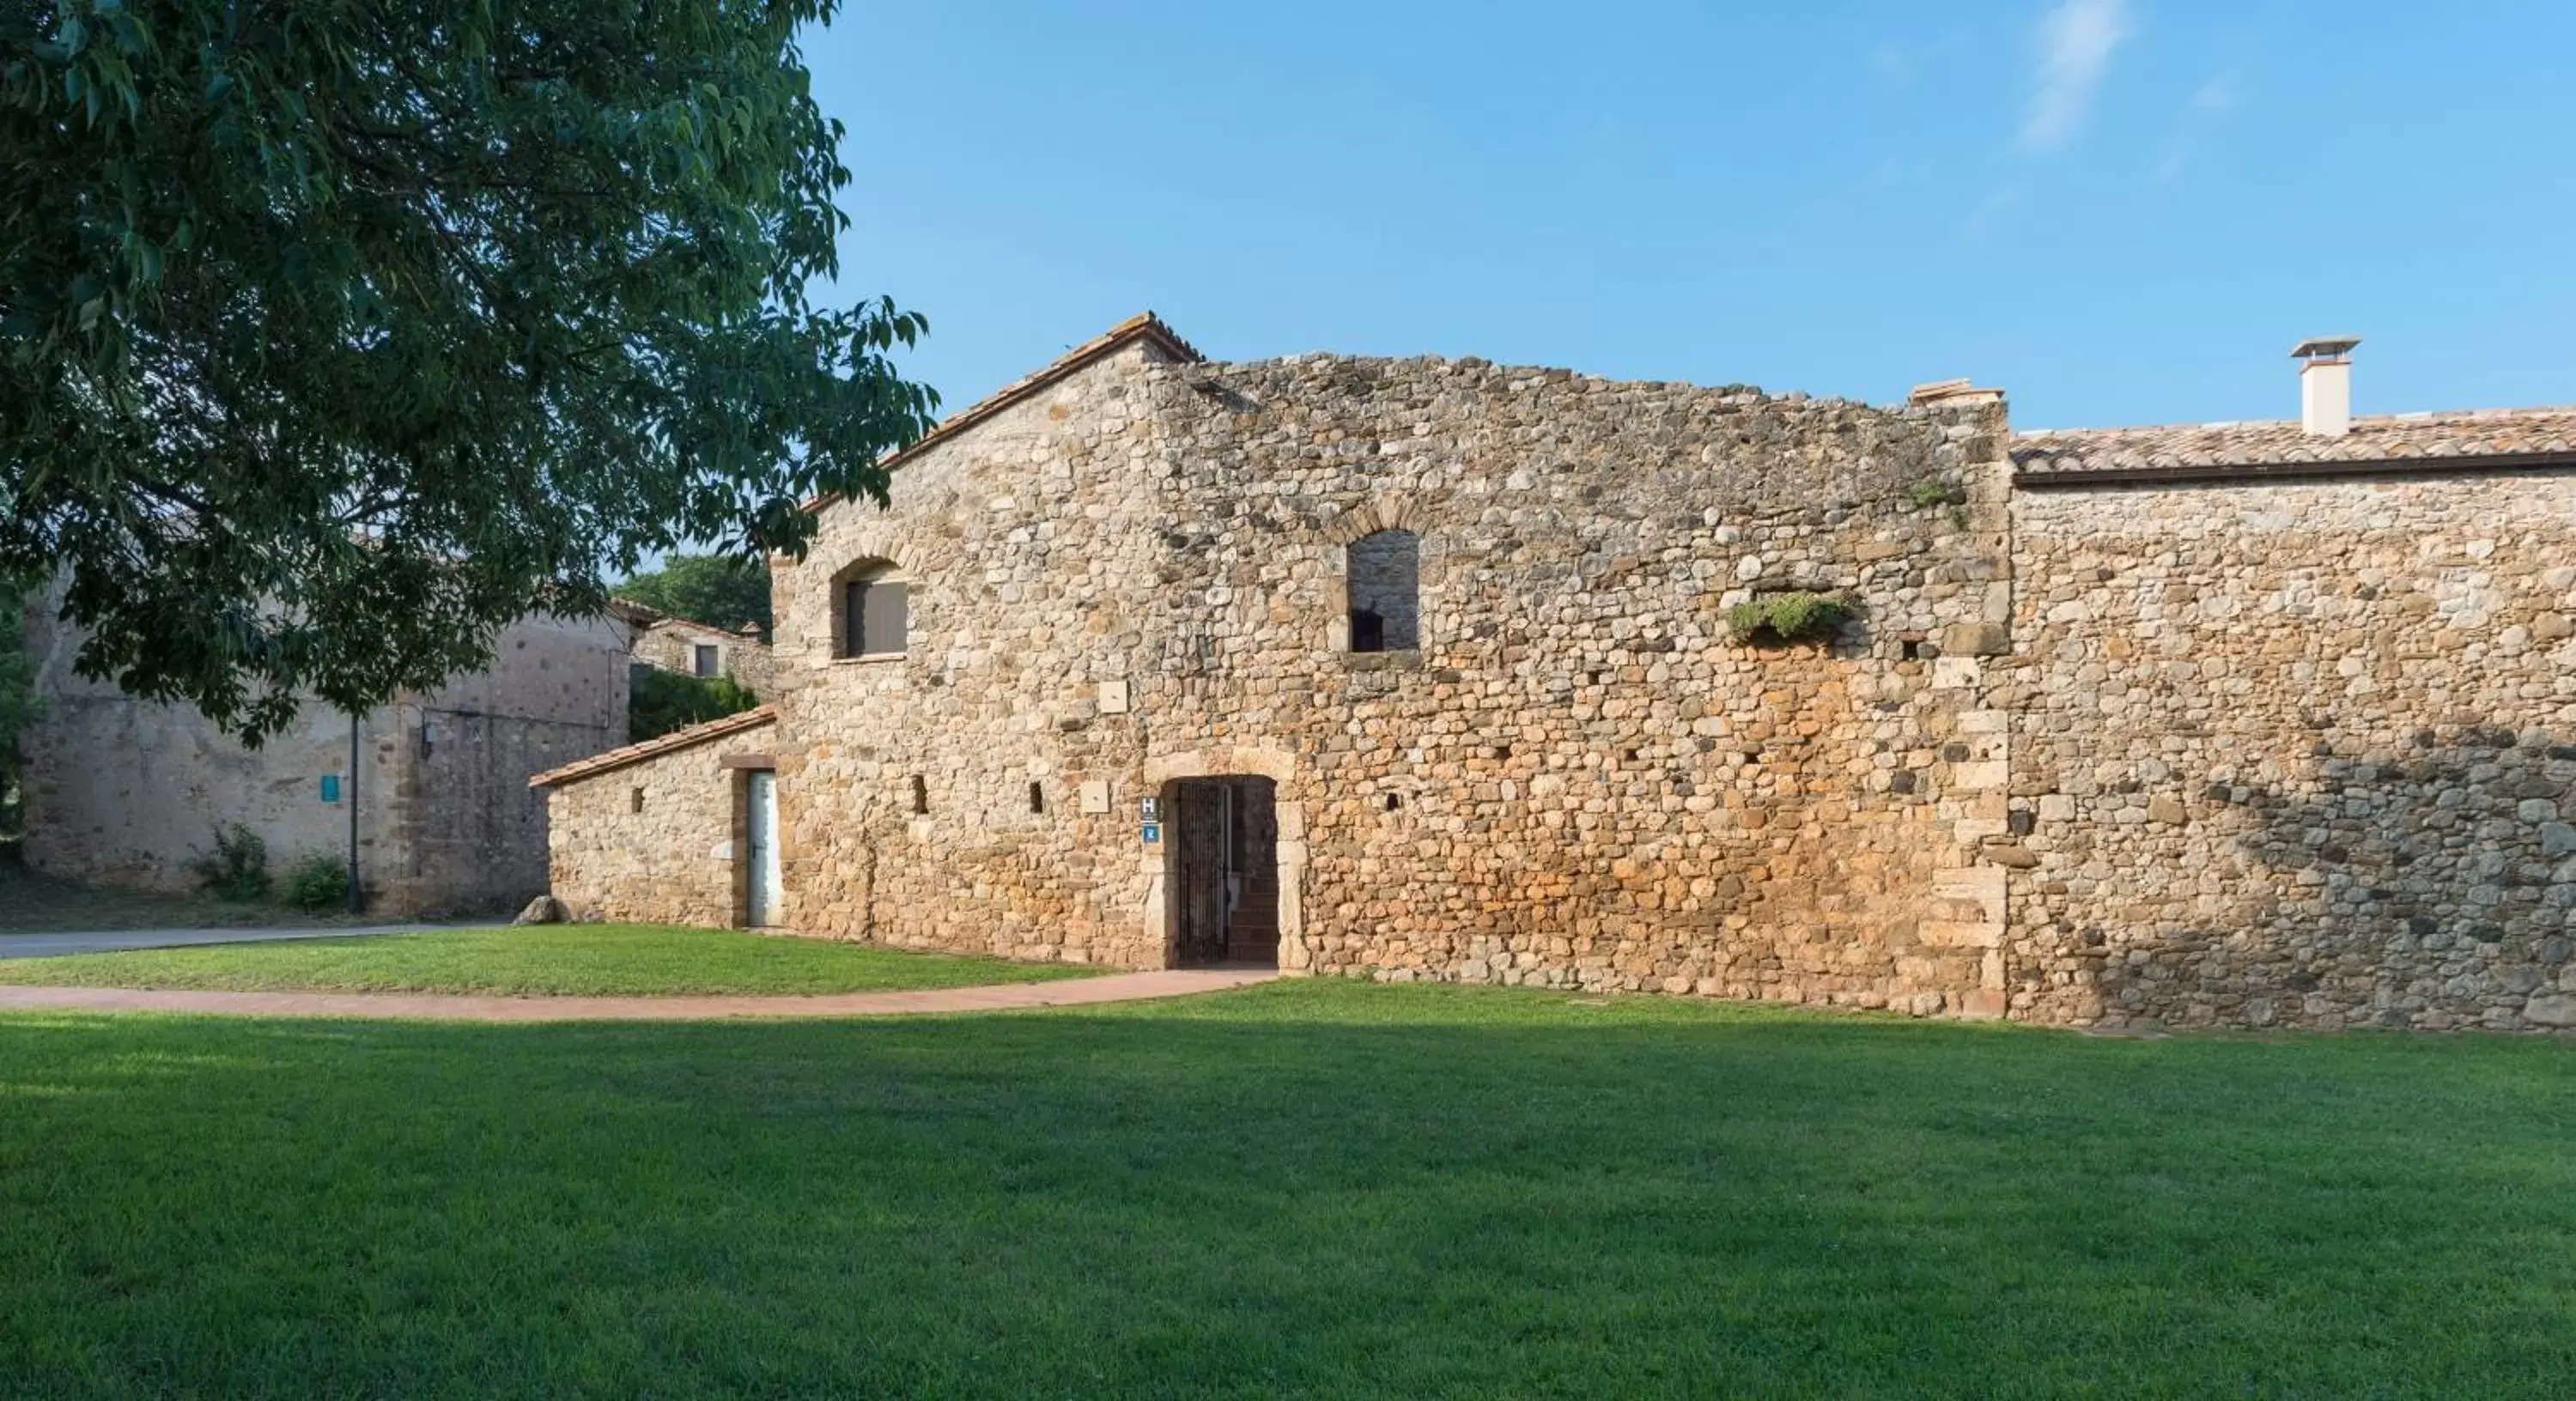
(1785, 619)
(1935, 490)
(662, 701)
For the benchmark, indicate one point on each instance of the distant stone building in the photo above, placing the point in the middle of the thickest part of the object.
(1424, 669)
(688, 648)
(125, 792)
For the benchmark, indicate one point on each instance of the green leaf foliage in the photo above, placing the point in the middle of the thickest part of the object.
(1783, 619)
(721, 591)
(1935, 490)
(317, 881)
(17, 703)
(662, 701)
(236, 868)
(334, 337)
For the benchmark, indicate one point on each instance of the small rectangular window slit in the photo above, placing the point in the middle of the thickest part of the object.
(1037, 796)
(920, 796)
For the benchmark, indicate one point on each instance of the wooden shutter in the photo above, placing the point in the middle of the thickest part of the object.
(882, 617)
(877, 622)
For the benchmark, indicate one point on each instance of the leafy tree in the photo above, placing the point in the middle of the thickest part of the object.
(721, 591)
(335, 336)
(663, 701)
(17, 702)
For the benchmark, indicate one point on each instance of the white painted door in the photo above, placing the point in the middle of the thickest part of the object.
(760, 849)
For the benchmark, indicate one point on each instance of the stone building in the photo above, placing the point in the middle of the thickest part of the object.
(1425, 669)
(690, 648)
(2294, 720)
(124, 792)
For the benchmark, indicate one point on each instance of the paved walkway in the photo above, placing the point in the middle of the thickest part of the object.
(121, 940)
(396, 1006)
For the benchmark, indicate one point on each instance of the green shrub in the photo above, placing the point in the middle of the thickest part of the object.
(1785, 618)
(237, 869)
(661, 701)
(1936, 490)
(317, 881)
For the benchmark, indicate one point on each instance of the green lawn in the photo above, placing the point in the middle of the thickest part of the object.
(33, 904)
(558, 960)
(1318, 1189)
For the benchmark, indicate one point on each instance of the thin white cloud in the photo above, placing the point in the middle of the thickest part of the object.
(2075, 43)
(1978, 229)
(2202, 115)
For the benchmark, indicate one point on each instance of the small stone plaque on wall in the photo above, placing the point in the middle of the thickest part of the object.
(1113, 697)
(1095, 796)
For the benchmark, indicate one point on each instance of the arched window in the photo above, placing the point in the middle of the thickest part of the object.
(1386, 592)
(871, 611)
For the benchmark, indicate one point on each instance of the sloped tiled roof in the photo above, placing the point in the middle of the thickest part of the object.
(750, 634)
(596, 764)
(2501, 438)
(1144, 327)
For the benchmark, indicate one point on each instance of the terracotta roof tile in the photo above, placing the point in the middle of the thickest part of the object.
(692, 625)
(596, 764)
(2281, 448)
(1144, 327)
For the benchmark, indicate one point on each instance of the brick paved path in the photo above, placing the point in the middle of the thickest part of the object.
(1077, 992)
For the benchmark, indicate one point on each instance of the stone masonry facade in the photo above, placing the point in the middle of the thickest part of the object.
(2297, 754)
(672, 644)
(2241, 753)
(647, 832)
(125, 792)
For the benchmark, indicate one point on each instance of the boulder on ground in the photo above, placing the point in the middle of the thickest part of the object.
(545, 909)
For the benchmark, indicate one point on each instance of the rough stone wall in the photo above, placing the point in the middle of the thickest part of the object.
(655, 841)
(1139, 574)
(669, 646)
(2297, 754)
(125, 792)
(1028, 546)
(474, 838)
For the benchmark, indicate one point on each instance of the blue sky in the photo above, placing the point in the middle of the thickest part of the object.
(2120, 211)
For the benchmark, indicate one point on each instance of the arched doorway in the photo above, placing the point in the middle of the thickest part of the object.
(1223, 870)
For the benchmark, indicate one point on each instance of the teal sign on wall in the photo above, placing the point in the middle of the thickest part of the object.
(330, 788)
(1153, 831)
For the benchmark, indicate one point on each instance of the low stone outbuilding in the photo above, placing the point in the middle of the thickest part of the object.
(669, 831)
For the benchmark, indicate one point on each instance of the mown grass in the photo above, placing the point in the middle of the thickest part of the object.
(1304, 1189)
(577, 960)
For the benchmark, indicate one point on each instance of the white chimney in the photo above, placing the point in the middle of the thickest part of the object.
(2325, 385)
